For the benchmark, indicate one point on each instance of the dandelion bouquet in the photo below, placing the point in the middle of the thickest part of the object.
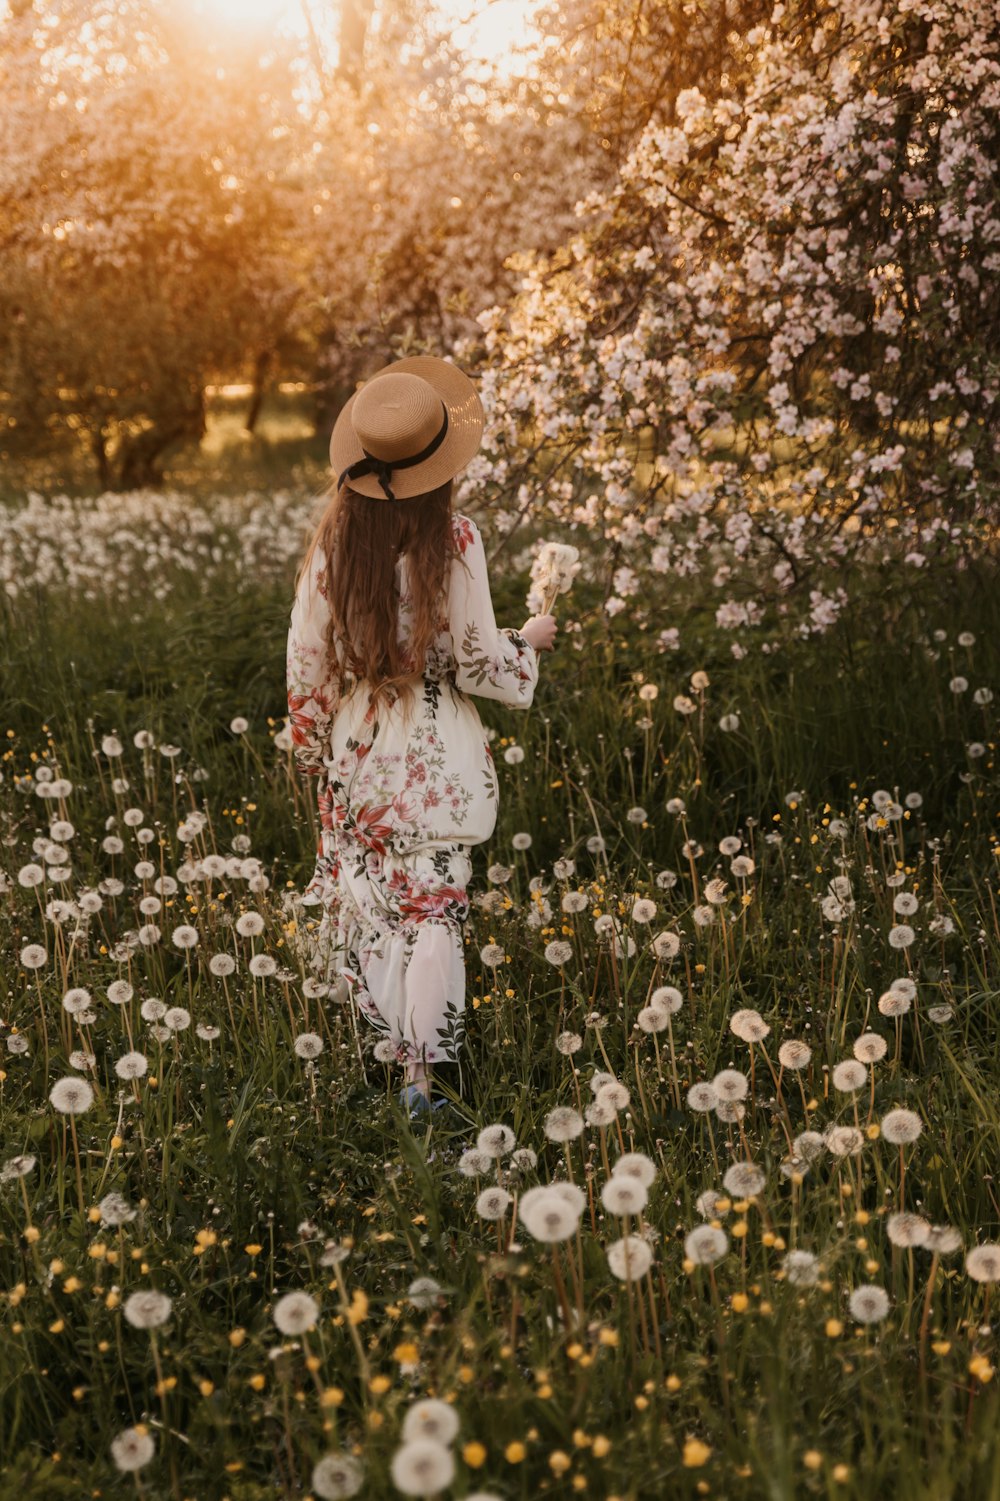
(553, 572)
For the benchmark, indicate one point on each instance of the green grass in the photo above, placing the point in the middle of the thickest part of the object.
(239, 1138)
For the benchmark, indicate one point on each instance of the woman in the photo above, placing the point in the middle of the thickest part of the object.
(391, 630)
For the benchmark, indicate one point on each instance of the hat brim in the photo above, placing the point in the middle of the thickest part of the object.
(461, 444)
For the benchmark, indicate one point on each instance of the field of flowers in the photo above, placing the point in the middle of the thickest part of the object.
(712, 1211)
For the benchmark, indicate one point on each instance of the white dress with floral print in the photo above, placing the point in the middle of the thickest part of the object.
(403, 794)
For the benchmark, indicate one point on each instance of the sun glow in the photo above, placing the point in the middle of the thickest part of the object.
(494, 33)
(253, 15)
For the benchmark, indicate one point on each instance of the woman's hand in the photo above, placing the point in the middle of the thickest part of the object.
(540, 632)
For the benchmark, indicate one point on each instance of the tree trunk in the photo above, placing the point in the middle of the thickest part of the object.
(354, 19)
(99, 448)
(138, 457)
(262, 365)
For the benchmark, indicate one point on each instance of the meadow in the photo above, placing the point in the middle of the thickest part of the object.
(712, 1209)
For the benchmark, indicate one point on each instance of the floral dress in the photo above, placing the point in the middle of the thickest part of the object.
(402, 798)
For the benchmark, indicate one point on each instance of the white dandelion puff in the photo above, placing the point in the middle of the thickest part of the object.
(71, 1096)
(705, 1245)
(147, 1308)
(869, 1047)
(748, 1025)
(131, 1065)
(905, 1229)
(563, 1123)
(983, 1262)
(296, 1313)
(496, 1141)
(730, 1084)
(493, 1203)
(422, 1467)
(431, 1418)
(132, 1449)
(868, 1304)
(702, 1098)
(801, 1268)
(844, 1141)
(547, 1215)
(629, 1258)
(901, 1126)
(744, 1180)
(849, 1076)
(558, 952)
(624, 1195)
(336, 1477)
(473, 1163)
(667, 998)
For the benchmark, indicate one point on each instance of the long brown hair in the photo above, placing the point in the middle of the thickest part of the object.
(361, 540)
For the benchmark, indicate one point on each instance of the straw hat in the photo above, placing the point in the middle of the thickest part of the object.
(409, 428)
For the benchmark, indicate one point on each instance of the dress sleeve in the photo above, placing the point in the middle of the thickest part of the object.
(490, 662)
(313, 694)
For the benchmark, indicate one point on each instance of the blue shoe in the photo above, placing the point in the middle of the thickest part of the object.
(416, 1103)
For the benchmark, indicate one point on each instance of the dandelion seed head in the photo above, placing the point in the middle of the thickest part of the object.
(844, 1141)
(558, 952)
(629, 1258)
(900, 1127)
(71, 1096)
(983, 1262)
(624, 1195)
(702, 1098)
(730, 1084)
(423, 1293)
(493, 1203)
(473, 1163)
(336, 1477)
(893, 1003)
(705, 1245)
(748, 1025)
(563, 1123)
(116, 1210)
(296, 1313)
(943, 1240)
(131, 1065)
(849, 1076)
(868, 1304)
(147, 1308)
(132, 1449)
(635, 1165)
(801, 1268)
(905, 1229)
(666, 945)
(431, 1418)
(422, 1467)
(547, 1215)
(794, 1054)
(869, 1047)
(496, 1141)
(667, 998)
(17, 1167)
(308, 1045)
(614, 1094)
(744, 1180)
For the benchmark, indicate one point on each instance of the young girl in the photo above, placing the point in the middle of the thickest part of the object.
(391, 629)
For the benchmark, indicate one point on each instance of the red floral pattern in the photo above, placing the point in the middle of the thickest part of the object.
(402, 798)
